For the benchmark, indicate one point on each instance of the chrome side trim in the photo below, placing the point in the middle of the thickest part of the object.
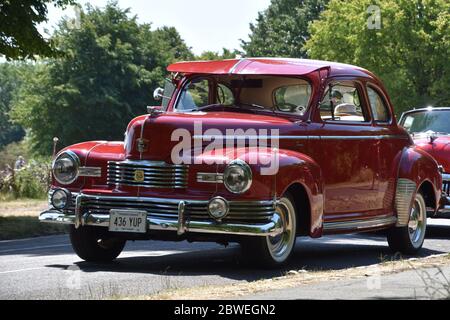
(268, 137)
(403, 198)
(236, 65)
(272, 228)
(359, 224)
(90, 172)
(206, 177)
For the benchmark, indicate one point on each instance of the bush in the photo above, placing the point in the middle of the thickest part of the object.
(32, 181)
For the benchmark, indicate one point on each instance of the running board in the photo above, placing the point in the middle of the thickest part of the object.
(357, 225)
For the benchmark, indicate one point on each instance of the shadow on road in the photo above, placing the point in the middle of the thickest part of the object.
(328, 253)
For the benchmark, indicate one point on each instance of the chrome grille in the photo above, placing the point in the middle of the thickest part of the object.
(446, 188)
(156, 174)
(165, 208)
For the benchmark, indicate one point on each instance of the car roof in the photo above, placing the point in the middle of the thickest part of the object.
(427, 109)
(267, 66)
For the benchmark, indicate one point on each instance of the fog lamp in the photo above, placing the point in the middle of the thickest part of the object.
(61, 199)
(218, 208)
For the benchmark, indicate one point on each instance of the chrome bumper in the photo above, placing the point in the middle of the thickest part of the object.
(445, 208)
(179, 223)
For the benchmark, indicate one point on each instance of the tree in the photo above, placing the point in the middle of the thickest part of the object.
(173, 46)
(212, 55)
(282, 29)
(410, 50)
(10, 80)
(111, 65)
(19, 38)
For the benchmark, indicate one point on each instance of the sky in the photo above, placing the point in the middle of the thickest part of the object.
(203, 24)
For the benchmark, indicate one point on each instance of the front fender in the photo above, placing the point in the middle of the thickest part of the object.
(416, 168)
(298, 168)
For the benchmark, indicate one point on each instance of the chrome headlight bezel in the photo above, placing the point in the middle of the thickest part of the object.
(68, 198)
(76, 163)
(246, 173)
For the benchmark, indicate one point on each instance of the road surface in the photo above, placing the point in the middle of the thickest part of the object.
(47, 268)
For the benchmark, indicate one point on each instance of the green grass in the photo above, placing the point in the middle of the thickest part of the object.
(17, 227)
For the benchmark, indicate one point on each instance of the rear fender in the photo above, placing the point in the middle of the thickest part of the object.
(416, 167)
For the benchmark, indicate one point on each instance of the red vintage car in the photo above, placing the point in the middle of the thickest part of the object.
(253, 151)
(430, 130)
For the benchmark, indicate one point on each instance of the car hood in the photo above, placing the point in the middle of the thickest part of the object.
(163, 132)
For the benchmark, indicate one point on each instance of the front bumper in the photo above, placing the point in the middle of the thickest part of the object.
(255, 218)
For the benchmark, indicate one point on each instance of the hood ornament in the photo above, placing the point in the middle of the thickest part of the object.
(154, 111)
(432, 138)
(142, 145)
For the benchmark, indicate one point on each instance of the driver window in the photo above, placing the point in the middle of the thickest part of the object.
(346, 103)
(292, 98)
(194, 95)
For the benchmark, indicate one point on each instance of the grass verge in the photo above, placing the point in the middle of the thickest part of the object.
(296, 278)
(26, 227)
(19, 219)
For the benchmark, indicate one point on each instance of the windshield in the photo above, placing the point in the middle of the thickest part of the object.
(437, 121)
(271, 93)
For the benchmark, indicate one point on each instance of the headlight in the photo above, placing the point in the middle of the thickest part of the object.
(237, 176)
(65, 167)
(61, 199)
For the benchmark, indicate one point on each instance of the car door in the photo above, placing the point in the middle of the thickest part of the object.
(390, 146)
(346, 148)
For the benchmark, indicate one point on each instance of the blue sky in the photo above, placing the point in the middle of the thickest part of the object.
(203, 24)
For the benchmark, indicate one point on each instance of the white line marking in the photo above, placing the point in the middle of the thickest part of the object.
(35, 248)
(20, 270)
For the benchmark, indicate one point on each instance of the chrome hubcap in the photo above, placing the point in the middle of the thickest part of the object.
(417, 223)
(281, 245)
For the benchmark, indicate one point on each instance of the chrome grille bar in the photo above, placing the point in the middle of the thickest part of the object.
(446, 184)
(156, 174)
(168, 208)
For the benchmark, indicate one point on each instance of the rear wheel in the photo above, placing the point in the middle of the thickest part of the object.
(409, 239)
(95, 244)
(274, 251)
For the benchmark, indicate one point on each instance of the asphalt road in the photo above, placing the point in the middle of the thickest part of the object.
(47, 268)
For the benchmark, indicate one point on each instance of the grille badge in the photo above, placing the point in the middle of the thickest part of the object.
(139, 175)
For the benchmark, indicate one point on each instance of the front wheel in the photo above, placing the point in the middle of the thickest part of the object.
(409, 239)
(94, 244)
(274, 251)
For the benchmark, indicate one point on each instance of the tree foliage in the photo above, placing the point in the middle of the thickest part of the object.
(19, 37)
(11, 76)
(282, 29)
(410, 51)
(111, 65)
(212, 55)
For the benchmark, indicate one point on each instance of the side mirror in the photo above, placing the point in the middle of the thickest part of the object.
(158, 94)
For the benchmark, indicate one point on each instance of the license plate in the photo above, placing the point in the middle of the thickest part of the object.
(127, 221)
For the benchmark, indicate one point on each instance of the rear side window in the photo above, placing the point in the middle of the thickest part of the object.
(343, 103)
(379, 108)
